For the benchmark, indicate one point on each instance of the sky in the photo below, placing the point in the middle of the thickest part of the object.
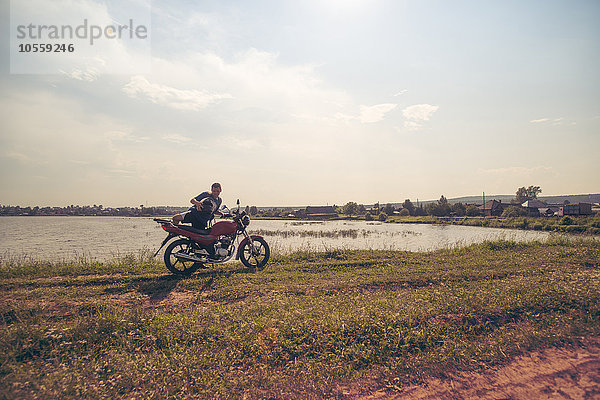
(305, 102)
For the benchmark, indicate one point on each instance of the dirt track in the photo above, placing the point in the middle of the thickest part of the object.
(557, 373)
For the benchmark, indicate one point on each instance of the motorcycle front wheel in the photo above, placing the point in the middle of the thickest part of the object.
(179, 265)
(258, 258)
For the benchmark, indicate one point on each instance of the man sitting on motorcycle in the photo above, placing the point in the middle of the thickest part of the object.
(205, 206)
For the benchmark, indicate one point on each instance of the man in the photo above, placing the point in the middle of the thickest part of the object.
(205, 206)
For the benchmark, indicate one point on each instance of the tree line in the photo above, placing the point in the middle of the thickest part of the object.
(95, 210)
(440, 208)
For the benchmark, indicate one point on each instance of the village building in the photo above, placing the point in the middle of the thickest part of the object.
(316, 212)
(493, 208)
(536, 208)
(533, 207)
(575, 209)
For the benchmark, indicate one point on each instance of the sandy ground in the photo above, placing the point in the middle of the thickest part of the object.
(556, 373)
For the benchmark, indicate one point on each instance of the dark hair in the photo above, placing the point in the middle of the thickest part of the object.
(216, 184)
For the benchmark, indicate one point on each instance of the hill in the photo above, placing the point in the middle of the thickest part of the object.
(571, 198)
(505, 198)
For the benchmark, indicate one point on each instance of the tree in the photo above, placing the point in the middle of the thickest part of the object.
(350, 208)
(408, 205)
(388, 209)
(513, 211)
(458, 209)
(420, 211)
(253, 210)
(432, 209)
(439, 209)
(473, 211)
(523, 194)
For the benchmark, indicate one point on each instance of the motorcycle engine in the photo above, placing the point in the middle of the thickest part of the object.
(222, 246)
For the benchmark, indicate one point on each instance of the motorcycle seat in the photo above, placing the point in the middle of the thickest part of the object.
(194, 230)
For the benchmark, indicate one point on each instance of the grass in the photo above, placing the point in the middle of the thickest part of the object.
(589, 225)
(340, 233)
(312, 325)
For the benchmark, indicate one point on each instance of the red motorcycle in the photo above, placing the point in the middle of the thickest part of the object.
(196, 247)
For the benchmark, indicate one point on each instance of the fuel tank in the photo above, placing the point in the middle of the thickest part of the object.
(223, 228)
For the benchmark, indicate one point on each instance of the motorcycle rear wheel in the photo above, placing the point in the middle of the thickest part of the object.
(178, 265)
(258, 259)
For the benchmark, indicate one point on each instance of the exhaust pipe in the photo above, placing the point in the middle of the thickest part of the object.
(202, 260)
(189, 257)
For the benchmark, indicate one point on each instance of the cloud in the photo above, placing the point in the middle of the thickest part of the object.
(553, 121)
(89, 75)
(417, 114)
(177, 138)
(369, 114)
(190, 100)
(412, 125)
(400, 93)
(120, 135)
(18, 156)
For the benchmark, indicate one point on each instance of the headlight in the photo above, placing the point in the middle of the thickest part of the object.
(246, 220)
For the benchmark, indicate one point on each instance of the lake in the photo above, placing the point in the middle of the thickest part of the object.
(107, 238)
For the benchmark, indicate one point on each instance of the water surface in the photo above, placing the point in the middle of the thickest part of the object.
(105, 238)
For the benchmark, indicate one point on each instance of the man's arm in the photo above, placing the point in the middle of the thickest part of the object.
(197, 201)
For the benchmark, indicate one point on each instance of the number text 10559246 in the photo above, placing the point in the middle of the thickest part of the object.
(46, 48)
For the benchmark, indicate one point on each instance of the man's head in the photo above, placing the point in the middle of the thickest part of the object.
(215, 189)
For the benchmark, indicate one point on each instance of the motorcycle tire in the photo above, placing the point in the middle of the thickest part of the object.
(180, 266)
(258, 260)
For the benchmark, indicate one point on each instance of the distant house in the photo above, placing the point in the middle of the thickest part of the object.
(533, 207)
(316, 212)
(493, 208)
(549, 211)
(534, 203)
(575, 209)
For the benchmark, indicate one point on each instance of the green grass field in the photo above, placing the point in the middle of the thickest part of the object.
(309, 326)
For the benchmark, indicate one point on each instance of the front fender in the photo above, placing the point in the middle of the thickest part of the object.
(243, 243)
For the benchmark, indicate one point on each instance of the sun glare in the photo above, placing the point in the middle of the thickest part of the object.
(342, 6)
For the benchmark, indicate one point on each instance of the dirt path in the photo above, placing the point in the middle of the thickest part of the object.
(557, 373)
